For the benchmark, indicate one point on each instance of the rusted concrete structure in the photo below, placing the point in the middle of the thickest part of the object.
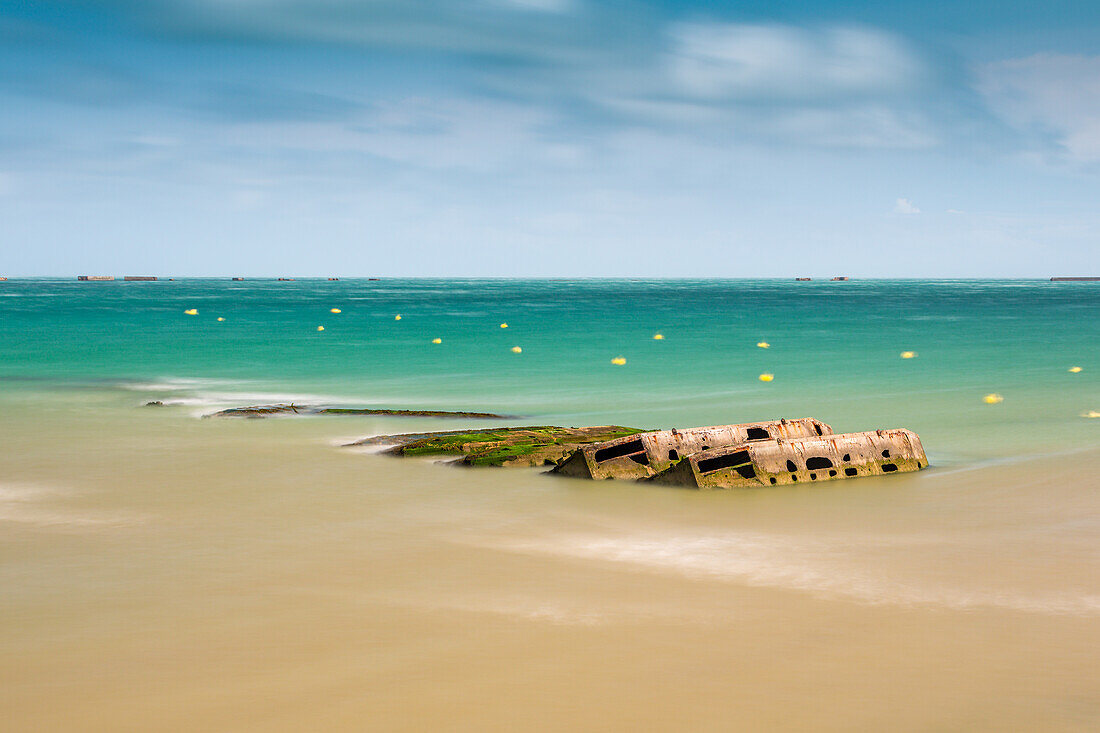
(803, 279)
(840, 278)
(139, 279)
(797, 460)
(646, 454)
(1075, 279)
(95, 278)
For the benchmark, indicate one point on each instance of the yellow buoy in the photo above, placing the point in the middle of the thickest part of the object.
(397, 317)
(335, 310)
(504, 325)
(437, 341)
(763, 344)
(618, 361)
(908, 354)
(992, 398)
(658, 337)
(517, 350)
(320, 328)
(766, 377)
(1074, 370)
(191, 312)
(220, 319)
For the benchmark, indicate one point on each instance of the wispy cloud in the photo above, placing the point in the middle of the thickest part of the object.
(832, 86)
(548, 6)
(1054, 95)
(826, 86)
(568, 126)
(780, 62)
(905, 206)
(545, 29)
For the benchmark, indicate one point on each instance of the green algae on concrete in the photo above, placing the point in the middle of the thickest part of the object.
(536, 445)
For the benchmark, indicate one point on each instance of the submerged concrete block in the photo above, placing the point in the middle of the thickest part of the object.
(795, 460)
(645, 454)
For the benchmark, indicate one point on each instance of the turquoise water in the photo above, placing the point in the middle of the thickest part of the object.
(834, 351)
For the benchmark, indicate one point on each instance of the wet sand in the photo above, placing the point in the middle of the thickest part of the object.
(163, 573)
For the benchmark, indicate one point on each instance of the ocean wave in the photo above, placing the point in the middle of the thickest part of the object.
(173, 384)
(209, 394)
(44, 507)
(529, 609)
(827, 569)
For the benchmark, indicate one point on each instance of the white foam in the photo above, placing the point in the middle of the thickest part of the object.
(825, 568)
(171, 384)
(529, 609)
(209, 394)
(45, 507)
(367, 449)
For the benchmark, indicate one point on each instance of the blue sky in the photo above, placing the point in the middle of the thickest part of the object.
(549, 138)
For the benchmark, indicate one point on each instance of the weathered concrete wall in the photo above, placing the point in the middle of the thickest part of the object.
(795, 460)
(646, 454)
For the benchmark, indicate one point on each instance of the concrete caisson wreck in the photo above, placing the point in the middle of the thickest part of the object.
(795, 460)
(646, 454)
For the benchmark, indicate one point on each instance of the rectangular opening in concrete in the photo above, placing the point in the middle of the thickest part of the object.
(707, 465)
(618, 451)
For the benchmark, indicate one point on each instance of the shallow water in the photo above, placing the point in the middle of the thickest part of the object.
(166, 572)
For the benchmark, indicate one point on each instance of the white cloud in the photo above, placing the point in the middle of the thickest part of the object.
(156, 141)
(828, 87)
(596, 66)
(546, 6)
(1055, 94)
(246, 199)
(535, 29)
(905, 206)
(737, 60)
(853, 126)
(426, 134)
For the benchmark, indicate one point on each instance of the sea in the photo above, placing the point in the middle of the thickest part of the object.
(164, 571)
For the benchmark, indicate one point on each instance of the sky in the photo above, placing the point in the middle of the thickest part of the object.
(549, 138)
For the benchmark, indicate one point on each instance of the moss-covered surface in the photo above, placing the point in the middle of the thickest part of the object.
(510, 446)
